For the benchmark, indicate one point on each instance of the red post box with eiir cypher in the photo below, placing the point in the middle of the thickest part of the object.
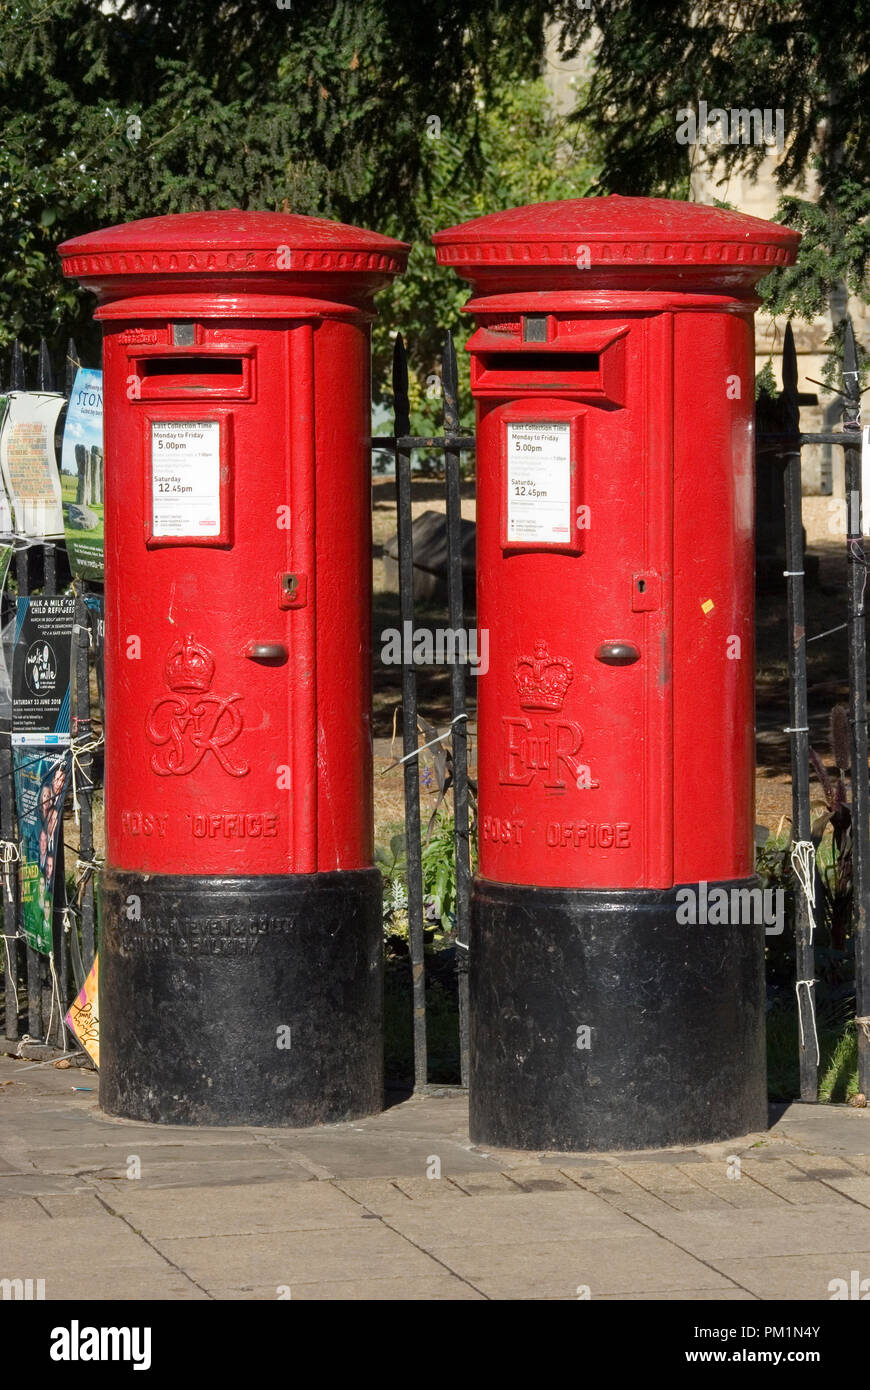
(240, 956)
(613, 373)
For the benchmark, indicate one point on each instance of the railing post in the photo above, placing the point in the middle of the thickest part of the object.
(459, 722)
(799, 731)
(857, 634)
(409, 715)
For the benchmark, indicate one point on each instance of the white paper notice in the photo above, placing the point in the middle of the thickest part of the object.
(29, 463)
(539, 482)
(185, 477)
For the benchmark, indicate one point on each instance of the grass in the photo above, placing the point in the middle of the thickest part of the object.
(838, 1066)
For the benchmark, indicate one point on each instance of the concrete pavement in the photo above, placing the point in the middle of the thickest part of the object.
(403, 1206)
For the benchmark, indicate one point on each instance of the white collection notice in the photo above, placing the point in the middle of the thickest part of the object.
(185, 477)
(539, 482)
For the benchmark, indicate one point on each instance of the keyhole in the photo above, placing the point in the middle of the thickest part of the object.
(641, 585)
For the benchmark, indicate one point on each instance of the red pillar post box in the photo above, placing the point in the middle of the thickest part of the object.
(617, 944)
(241, 917)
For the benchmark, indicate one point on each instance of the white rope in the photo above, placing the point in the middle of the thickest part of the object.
(55, 994)
(10, 971)
(417, 751)
(810, 1000)
(803, 861)
(9, 854)
(84, 869)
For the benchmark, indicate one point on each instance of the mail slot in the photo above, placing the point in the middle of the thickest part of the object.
(612, 367)
(240, 971)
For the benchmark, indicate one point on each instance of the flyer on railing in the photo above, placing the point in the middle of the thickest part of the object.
(6, 526)
(81, 475)
(28, 463)
(83, 1018)
(41, 780)
(42, 758)
(41, 671)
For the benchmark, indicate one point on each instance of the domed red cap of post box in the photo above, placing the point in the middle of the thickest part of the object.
(253, 252)
(607, 242)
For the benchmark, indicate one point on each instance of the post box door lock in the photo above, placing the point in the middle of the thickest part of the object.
(293, 590)
(646, 592)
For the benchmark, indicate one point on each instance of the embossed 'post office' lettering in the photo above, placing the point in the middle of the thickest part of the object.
(502, 831)
(231, 825)
(144, 823)
(584, 834)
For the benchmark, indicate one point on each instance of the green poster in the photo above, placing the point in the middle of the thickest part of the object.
(41, 777)
(81, 475)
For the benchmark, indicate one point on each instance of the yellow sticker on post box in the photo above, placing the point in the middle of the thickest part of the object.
(539, 481)
(185, 477)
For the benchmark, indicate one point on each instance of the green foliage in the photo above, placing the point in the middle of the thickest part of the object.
(439, 869)
(527, 154)
(838, 1065)
(392, 865)
(765, 382)
(810, 58)
(160, 106)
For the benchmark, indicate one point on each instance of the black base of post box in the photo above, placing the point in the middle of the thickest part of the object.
(599, 1021)
(241, 1001)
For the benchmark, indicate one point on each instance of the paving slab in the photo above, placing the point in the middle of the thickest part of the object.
(830, 1128)
(495, 1221)
(442, 1115)
(93, 1256)
(486, 1184)
(618, 1264)
(540, 1178)
(788, 1181)
(618, 1189)
(369, 1251)
(810, 1230)
(717, 1295)
(157, 1161)
(375, 1194)
(21, 1209)
(234, 1210)
(204, 1175)
(41, 1184)
(794, 1276)
(732, 1185)
(674, 1185)
(346, 1153)
(404, 1290)
(431, 1189)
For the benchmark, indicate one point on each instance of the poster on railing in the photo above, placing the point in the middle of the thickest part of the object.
(41, 779)
(41, 671)
(81, 475)
(28, 463)
(41, 754)
(83, 1018)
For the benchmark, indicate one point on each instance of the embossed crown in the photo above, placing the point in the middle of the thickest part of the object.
(189, 666)
(543, 680)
